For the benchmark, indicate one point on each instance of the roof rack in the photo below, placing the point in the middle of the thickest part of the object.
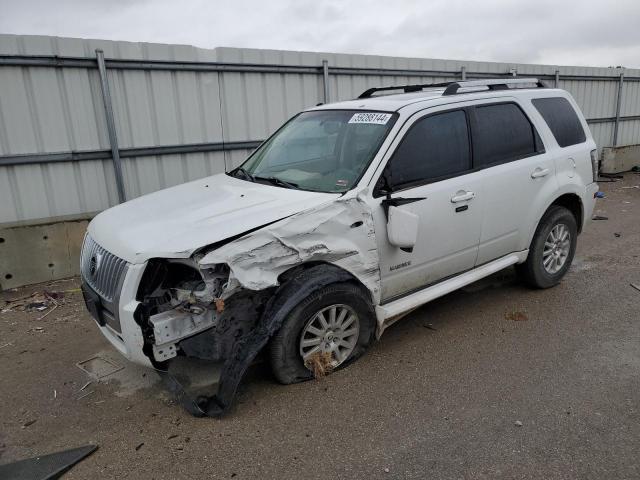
(491, 84)
(451, 88)
(406, 88)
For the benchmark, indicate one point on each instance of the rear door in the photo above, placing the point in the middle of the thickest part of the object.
(517, 174)
(432, 166)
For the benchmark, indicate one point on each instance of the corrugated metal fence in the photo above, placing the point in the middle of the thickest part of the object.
(180, 112)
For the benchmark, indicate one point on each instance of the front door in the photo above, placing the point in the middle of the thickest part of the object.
(432, 166)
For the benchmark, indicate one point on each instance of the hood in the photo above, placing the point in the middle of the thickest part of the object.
(174, 222)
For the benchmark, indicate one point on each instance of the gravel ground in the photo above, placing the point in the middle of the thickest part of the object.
(495, 381)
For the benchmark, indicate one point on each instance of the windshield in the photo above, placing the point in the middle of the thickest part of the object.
(325, 151)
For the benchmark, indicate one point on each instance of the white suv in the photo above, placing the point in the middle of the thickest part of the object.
(350, 216)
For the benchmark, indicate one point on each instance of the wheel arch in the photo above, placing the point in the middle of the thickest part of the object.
(573, 203)
(330, 271)
(302, 286)
(571, 200)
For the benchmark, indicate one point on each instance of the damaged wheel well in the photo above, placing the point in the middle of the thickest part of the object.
(297, 285)
(339, 272)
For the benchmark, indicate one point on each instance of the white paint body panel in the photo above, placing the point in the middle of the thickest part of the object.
(447, 240)
(172, 223)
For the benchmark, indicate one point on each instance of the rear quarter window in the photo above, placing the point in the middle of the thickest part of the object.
(561, 119)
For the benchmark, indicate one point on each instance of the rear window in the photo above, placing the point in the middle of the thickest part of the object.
(502, 133)
(562, 120)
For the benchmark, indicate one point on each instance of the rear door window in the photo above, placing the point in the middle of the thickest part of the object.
(435, 147)
(502, 133)
(562, 120)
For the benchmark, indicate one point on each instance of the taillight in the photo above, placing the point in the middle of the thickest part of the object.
(594, 164)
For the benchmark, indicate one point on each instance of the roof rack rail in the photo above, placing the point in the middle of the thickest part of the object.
(491, 84)
(406, 88)
(453, 87)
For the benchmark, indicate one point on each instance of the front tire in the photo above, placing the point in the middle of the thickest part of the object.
(337, 320)
(552, 249)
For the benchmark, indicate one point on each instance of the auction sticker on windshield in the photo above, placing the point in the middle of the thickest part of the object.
(370, 117)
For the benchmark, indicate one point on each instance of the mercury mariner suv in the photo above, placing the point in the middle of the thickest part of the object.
(348, 217)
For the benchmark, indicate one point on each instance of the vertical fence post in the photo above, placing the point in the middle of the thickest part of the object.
(111, 125)
(325, 81)
(618, 105)
(463, 73)
(557, 79)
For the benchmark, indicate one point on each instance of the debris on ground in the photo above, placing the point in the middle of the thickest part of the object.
(139, 446)
(85, 386)
(617, 235)
(516, 316)
(637, 287)
(28, 423)
(599, 217)
(320, 364)
(518, 423)
(634, 186)
(46, 466)
(611, 175)
(600, 195)
(429, 326)
(37, 301)
(48, 312)
(86, 394)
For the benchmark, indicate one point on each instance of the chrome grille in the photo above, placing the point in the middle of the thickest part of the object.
(101, 269)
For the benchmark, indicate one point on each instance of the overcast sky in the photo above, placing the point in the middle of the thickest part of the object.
(574, 32)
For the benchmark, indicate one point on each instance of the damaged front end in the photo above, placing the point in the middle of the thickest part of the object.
(176, 304)
(224, 303)
(182, 314)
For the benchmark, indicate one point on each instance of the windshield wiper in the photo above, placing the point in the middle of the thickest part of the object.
(245, 174)
(278, 182)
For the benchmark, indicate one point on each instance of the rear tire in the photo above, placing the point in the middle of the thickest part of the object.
(552, 249)
(286, 357)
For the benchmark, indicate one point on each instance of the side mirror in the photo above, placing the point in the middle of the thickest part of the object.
(402, 227)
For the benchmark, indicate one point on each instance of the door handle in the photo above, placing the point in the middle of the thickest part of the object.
(540, 172)
(462, 196)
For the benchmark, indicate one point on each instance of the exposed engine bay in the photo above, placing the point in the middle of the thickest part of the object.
(182, 314)
(179, 304)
